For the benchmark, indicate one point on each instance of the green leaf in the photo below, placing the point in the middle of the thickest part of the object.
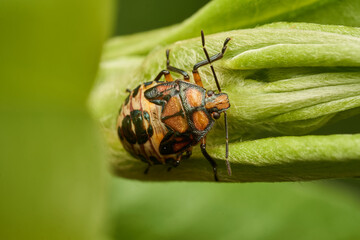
(284, 78)
(225, 15)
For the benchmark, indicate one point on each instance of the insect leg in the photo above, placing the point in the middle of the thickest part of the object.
(174, 69)
(197, 78)
(175, 163)
(183, 156)
(187, 154)
(147, 169)
(208, 60)
(167, 75)
(214, 57)
(208, 157)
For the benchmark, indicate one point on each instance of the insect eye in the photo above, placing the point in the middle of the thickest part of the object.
(216, 115)
(210, 93)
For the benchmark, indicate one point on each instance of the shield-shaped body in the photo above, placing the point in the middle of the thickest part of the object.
(160, 121)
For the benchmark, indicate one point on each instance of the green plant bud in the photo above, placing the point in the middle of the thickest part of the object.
(282, 79)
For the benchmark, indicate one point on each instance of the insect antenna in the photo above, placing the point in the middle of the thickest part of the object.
(227, 144)
(219, 88)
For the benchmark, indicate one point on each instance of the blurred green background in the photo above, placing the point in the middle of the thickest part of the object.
(54, 182)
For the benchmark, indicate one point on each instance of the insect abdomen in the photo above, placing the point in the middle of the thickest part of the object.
(139, 128)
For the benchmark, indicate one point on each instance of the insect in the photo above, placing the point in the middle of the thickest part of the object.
(160, 122)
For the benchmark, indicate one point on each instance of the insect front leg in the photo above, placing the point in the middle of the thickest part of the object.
(209, 158)
(208, 60)
(212, 58)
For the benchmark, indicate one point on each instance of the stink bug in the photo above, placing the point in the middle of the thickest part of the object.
(160, 122)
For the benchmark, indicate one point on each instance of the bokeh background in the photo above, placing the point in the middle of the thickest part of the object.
(54, 179)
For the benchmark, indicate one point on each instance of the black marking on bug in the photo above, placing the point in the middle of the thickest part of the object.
(159, 102)
(169, 140)
(167, 97)
(150, 129)
(127, 100)
(127, 131)
(153, 93)
(148, 83)
(166, 149)
(180, 113)
(120, 134)
(137, 119)
(147, 116)
(136, 90)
